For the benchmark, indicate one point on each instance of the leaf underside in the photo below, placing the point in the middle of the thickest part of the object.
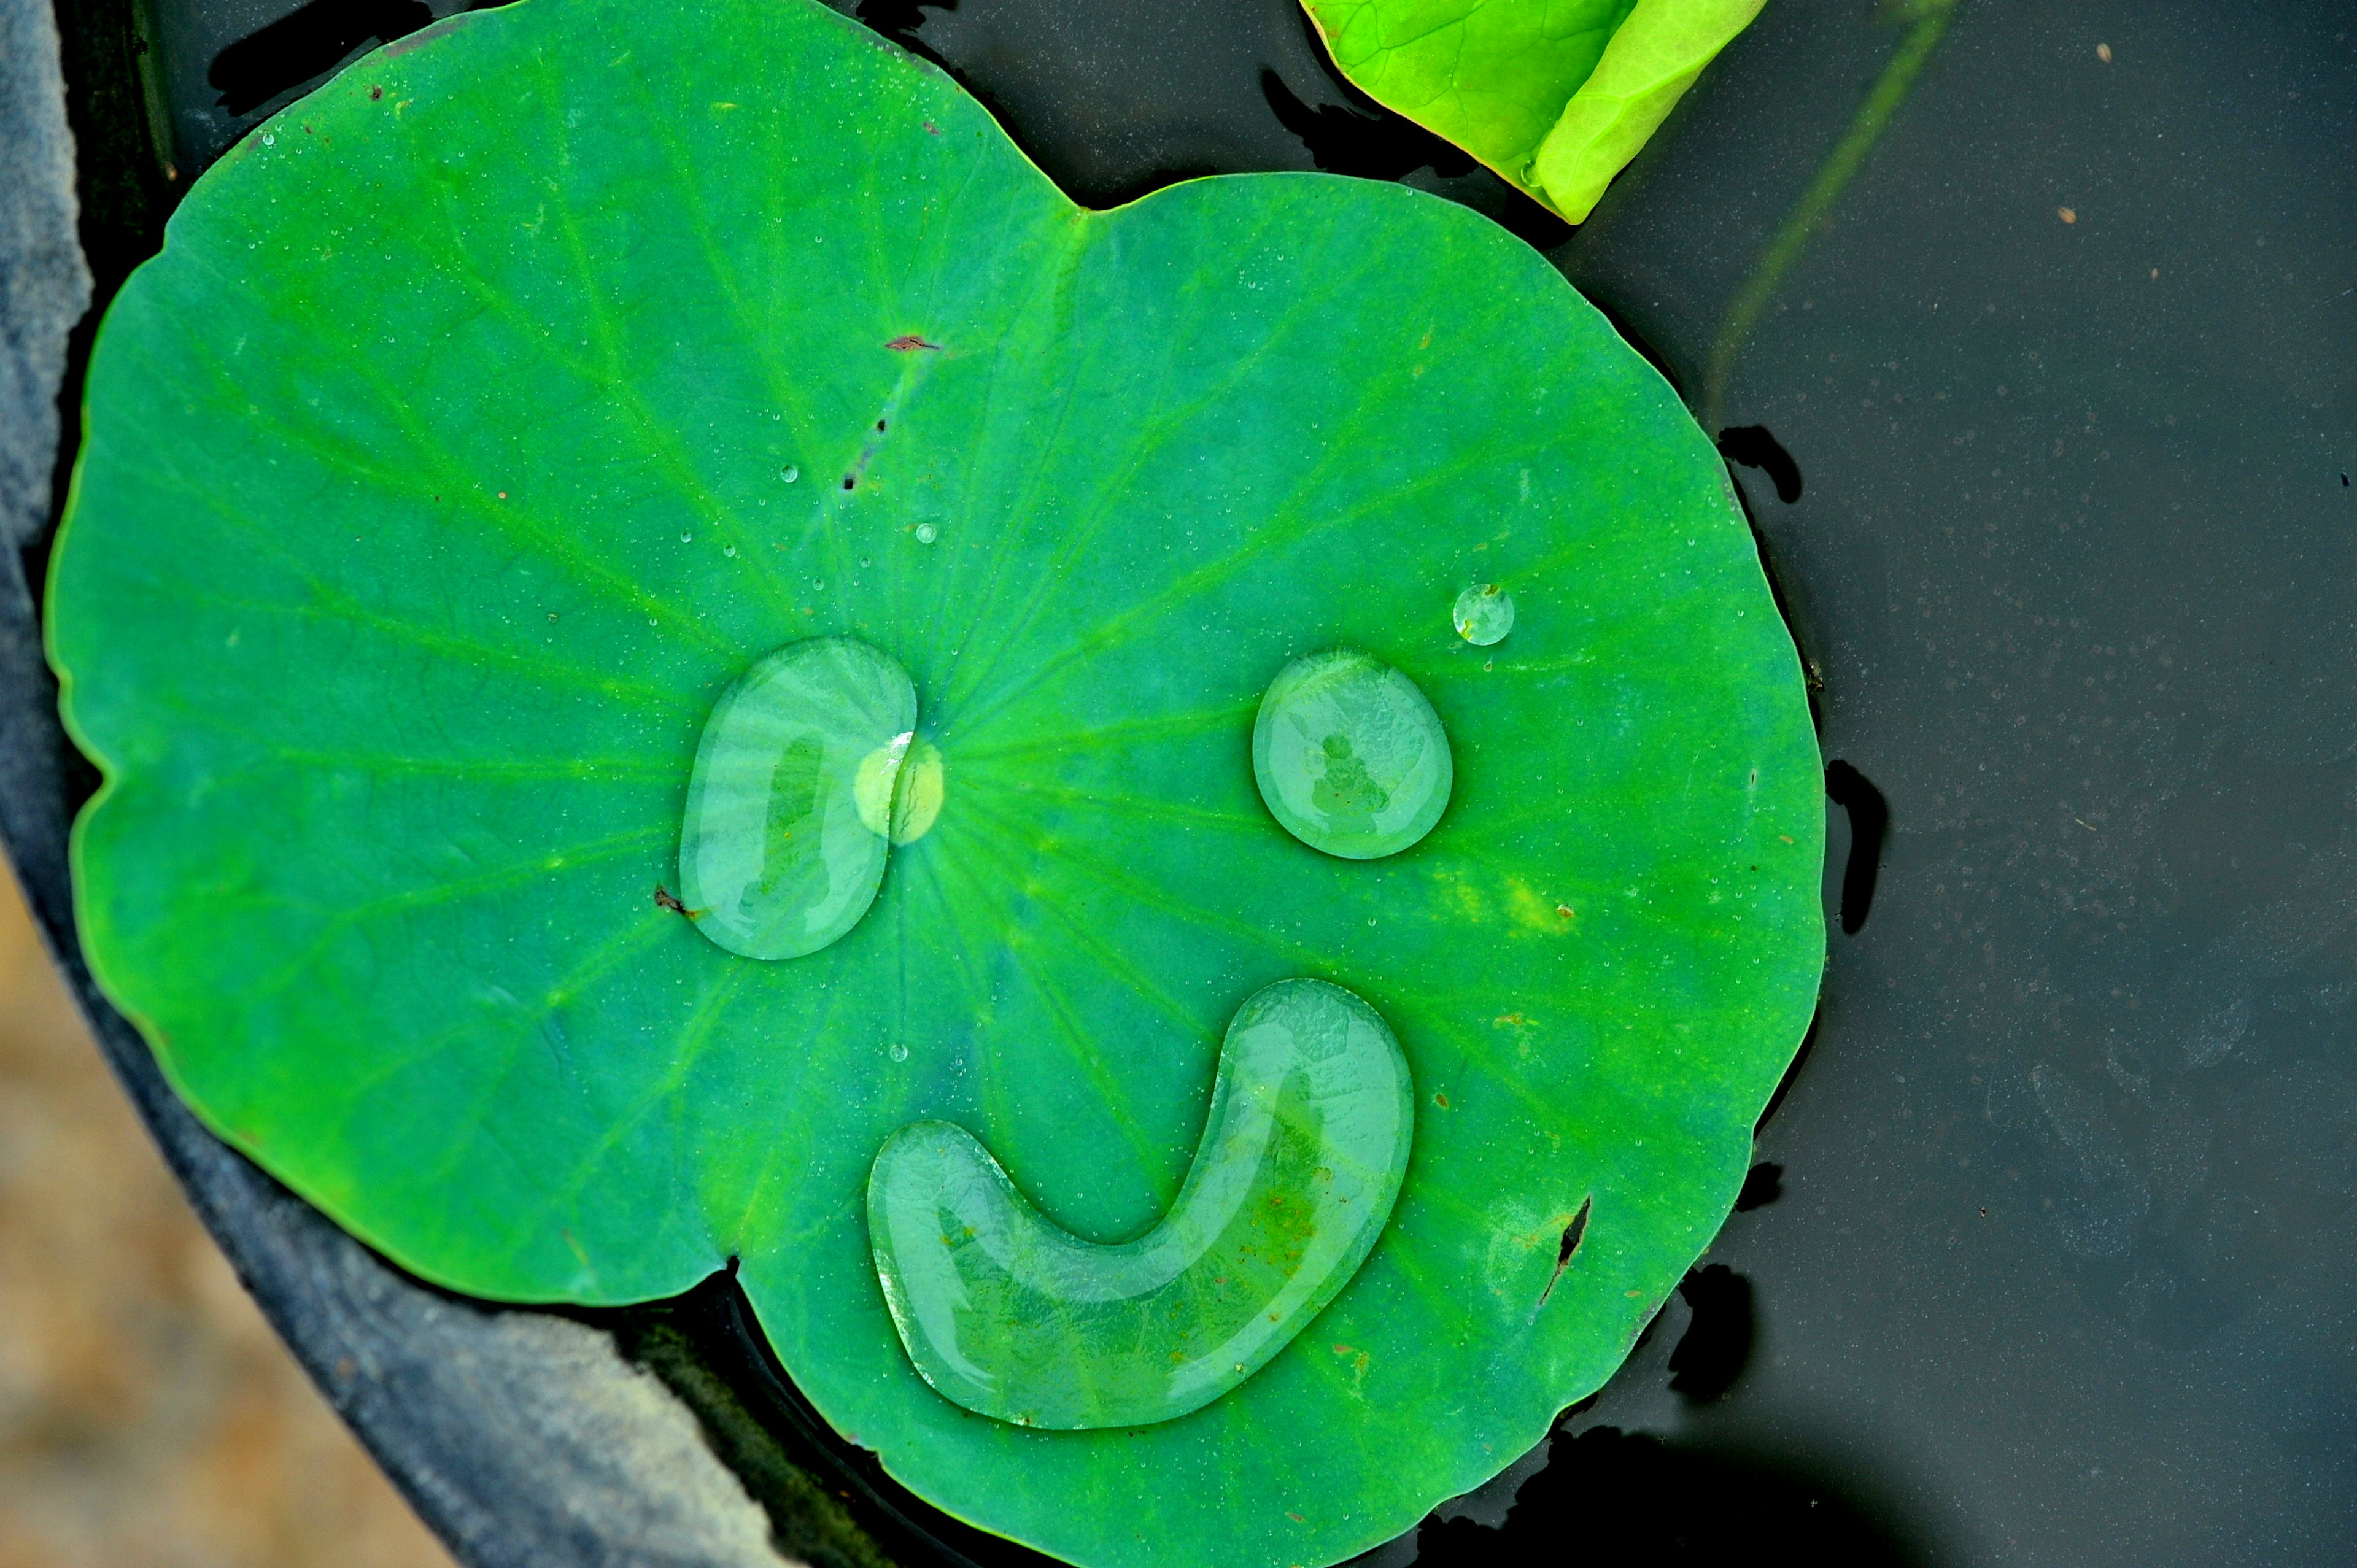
(435, 488)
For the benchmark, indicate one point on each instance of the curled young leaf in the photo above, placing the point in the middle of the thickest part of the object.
(1555, 95)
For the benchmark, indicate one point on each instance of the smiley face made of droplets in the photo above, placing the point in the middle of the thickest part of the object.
(496, 410)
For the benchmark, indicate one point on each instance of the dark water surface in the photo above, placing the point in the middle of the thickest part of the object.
(2059, 1264)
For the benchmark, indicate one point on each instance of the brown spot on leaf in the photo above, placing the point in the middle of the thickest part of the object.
(664, 900)
(908, 343)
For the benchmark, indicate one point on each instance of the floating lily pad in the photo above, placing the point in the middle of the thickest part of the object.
(1555, 95)
(493, 412)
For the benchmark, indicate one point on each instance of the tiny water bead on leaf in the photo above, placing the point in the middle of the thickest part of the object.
(1350, 756)
(784, 838)
(900, 795)
(1483, 614)
(1014, 1317)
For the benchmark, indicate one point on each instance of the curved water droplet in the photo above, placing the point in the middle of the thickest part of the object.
(1005, 1313)
(776, 854)
(1483, 614)
(1350, 757)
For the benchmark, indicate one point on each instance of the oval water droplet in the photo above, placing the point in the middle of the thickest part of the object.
(777, 853)
(730, 551)
(1003, 1311)
(1484, 613)
(899, 1052)
(926, 534)
(1350, 757)
(790, 473)
(686, 538)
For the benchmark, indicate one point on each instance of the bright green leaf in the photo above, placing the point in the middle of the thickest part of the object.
(1555, 95)
(495, 409)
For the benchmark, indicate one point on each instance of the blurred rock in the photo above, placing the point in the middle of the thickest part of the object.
(148, 1416)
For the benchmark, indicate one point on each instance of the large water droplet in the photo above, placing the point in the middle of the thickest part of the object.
(780, 853)
(1484, 613)
(1006, 1313)
(1350, 757)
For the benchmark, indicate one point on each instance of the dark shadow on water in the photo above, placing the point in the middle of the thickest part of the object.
(899, 19)
(1751, 446)
(1607, 1496)
(1870, 820)
(1601, 1492)
(1762, 1185)
(297, 46)
(1711, 1354)
(1345, 140)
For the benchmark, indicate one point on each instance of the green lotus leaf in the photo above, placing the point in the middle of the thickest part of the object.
(1555, 95)
(493, 412)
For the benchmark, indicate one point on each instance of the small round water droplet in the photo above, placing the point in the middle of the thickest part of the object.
(685, 538)
(1350, 756)
(899, 1053)
(729, 549)
(926, 534)
(863, 563)
(776, 856)
(918, 793)
(1484, 613)
(790, 473)
(900, 789)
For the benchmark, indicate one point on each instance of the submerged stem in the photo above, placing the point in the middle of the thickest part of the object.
(1817, 203)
